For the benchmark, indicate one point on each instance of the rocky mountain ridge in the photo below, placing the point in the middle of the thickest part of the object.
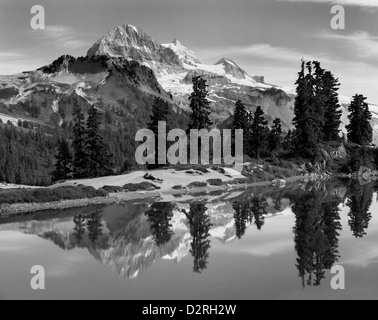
(126, 68)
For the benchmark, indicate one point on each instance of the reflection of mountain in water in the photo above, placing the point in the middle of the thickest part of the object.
(130, 238)
(126, 243)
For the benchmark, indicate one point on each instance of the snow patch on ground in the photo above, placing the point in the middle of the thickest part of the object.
(15, 186)
(6, 118)
(170, 178)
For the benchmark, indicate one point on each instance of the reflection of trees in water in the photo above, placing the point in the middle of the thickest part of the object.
(359, 203)
(316, 236)
(159, 216)
(79, 229)
(93, 223)
(249, 211)
(241, 216)
(277, 204)
(259, 210)
(199, 223)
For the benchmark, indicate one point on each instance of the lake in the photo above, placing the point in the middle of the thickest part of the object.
(253, 244)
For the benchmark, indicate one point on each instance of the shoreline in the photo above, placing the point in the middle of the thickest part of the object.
(114, 198)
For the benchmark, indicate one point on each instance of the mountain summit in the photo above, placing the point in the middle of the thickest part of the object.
(132, 43)
(232, 68)
(186, 56)
(123, 72)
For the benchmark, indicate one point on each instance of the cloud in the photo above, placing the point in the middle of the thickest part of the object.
(10, 55)
(354, 3)
(268, 51)
(59, 36)
(280, 65)
(43, 46)
(264, 51)
(13, 63)
(362, 44)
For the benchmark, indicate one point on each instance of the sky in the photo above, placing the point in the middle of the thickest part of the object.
(265, 37)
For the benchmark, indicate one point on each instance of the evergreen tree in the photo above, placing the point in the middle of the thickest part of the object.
(160, 113)
(200, 105)
(79, 143)
(287, 143)
(308, 111)
(275, 136)
(319, 97)
(359, 129)
(240, 122)
(63, 167)
(98, 157)
(240, 116)
(248, 135)
(259, 133)
(332, 112)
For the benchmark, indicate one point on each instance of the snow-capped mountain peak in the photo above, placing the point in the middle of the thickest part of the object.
(185, 55)
(132, 43)
(231, 68)
(177, 42)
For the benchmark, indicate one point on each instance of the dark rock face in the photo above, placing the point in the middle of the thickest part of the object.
(210, 77)
(259, 79)
(8, 93)
(58, 65)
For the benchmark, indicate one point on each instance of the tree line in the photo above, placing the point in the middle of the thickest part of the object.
(87, 148)
(90, 157)
(317, 118)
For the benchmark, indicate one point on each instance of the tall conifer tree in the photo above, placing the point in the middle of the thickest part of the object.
(160, 113)
(79, 143)
(306, 117)
(200, 105)
(63, 167)
(275, 135)
(332, 112)
(359, 129)
(241, 121)
(240, 116)
(98, 161)
(259, 133)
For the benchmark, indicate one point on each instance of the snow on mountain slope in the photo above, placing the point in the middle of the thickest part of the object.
(174, 66)
(132, 43)
(127, 56)
(186, 56)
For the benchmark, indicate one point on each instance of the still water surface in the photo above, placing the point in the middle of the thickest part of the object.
(259, 244)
